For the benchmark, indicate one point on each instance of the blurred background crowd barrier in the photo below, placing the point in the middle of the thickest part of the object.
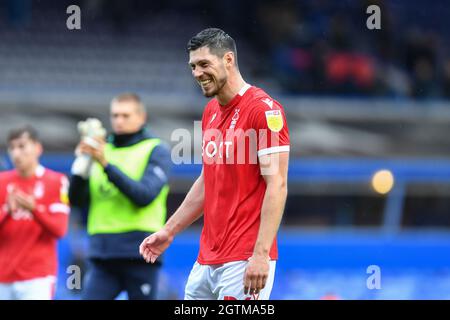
(358, 102)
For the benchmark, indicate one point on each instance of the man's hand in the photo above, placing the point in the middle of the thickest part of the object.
(96, 150)
(154, 245)
(256, 274)
(24, 200)
(11, 202)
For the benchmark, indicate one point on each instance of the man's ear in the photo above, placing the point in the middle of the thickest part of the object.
(40, 148)
(144, 118)
(229, 59)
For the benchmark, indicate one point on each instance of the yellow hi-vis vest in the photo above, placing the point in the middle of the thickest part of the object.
(111, 211)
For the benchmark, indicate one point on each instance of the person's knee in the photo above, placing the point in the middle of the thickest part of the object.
(98, 285)
(142, 282)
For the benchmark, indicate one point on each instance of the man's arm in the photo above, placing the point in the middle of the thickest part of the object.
(189, 211)
(155, 177)
(3, 215)
(274, 168)
(141, 192)
(53, 218)
(52, 213)
(4, 200)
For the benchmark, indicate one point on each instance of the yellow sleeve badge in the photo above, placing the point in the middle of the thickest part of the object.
(274, 120)
(64, 190)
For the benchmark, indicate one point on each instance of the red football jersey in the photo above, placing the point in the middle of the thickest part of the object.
(252, 124)
(28, 240)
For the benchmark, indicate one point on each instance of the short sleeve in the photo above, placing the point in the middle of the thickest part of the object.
(270, 123)
(58, 199)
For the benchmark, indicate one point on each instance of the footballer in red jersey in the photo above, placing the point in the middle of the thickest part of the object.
(33, 216)
(242, 189)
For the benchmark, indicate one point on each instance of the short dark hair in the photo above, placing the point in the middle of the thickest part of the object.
(217, 40)
(130, 96)
(20, 131)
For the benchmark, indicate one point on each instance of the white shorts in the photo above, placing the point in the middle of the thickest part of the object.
(34, 289)
(223, 282)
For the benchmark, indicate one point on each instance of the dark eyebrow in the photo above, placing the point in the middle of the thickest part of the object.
(200, 62)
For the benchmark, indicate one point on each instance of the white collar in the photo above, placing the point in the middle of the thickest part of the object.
(244, 89)
(39, 171)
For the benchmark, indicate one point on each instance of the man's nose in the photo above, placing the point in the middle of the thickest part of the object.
(14, 153)
(118, 120)
(197, 73)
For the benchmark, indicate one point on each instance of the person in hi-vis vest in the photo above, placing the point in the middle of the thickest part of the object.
(125, 194)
